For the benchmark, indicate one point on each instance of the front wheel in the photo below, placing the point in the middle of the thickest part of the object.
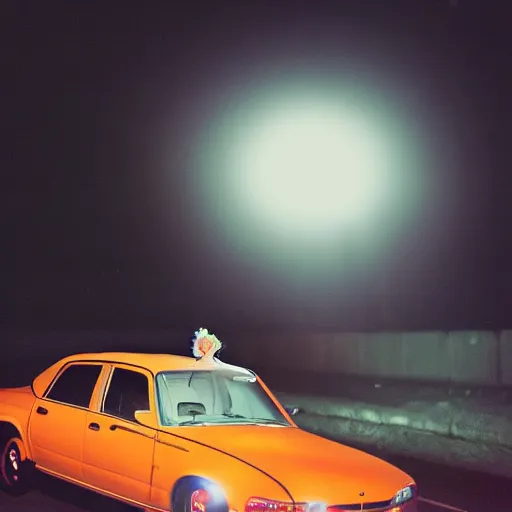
(15, 469)
(198, 497)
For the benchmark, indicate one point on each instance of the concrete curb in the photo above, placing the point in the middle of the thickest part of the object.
(441, 418)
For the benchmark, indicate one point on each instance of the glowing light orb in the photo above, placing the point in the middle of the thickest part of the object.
(312, 167)
(307, 180)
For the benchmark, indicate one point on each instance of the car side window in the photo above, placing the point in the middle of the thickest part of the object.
(75, 384)
(128, 392)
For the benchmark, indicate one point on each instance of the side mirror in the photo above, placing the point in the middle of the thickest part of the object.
(293, 410)
(145, 418)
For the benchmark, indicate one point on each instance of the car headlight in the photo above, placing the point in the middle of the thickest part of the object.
(265, 505)
(404, 495)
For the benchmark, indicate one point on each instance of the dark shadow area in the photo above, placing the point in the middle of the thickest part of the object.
(53, 495)
(76, 496)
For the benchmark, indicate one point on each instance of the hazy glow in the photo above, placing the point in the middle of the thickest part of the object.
(313, 167)
(309, 181)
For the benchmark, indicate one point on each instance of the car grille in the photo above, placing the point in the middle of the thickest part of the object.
(379, 506)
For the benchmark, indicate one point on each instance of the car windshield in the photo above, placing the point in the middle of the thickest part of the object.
(223, 396)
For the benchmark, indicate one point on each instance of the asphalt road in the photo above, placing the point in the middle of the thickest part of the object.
(452, 490)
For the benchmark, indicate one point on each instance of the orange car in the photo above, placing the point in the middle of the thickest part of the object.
(188, 434)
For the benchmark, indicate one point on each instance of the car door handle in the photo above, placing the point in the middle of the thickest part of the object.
(42, 410)
(94, 426)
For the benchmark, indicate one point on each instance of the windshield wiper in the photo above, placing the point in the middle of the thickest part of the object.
(269, 421)
(191, 422)
(255, 420)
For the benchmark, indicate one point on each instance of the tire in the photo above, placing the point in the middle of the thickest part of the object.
(181, 501)
(16, 471)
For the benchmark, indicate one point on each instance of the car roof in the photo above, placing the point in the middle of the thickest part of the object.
(155, 363)
(152, 362)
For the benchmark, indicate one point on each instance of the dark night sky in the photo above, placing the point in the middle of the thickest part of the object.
(92, 89)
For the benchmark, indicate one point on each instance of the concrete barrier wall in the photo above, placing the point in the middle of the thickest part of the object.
(467, 357)
(504, 357)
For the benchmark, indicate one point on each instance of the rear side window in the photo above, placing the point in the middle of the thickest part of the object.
(75, 385)
(128, 392)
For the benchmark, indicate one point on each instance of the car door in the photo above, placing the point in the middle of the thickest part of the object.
(118, 451)
(58, 421)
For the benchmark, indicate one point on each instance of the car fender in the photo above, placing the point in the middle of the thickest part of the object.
(176, 458)
(15, 409)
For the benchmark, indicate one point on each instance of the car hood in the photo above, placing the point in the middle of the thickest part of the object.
(310, 467)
